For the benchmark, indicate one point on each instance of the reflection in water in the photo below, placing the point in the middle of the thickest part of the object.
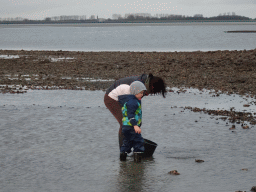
(131, 175)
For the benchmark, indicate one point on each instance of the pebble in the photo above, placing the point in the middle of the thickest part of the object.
(199, 160)
(174, 172)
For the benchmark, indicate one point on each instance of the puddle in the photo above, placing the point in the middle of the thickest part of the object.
(14, 88)
(209, 99)
(9, 56)
(88, 79)
(60, 58)
(53, 59)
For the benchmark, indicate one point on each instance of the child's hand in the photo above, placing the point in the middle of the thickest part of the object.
(137, 129)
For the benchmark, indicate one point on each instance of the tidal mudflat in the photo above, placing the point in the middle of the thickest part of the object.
(226, 71)
(59, 139)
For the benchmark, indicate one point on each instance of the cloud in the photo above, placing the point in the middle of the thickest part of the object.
(35, 9)
(217, 2)
(43, 8)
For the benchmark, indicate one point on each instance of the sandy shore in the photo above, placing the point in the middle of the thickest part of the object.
(227, 71)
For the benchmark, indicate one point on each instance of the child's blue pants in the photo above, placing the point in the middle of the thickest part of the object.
(131, 139)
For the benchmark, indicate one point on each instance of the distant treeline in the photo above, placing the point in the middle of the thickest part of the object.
(134, 19)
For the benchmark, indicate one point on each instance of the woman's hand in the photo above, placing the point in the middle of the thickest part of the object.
(137, 129)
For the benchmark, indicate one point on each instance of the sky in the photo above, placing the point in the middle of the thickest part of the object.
(40, 9)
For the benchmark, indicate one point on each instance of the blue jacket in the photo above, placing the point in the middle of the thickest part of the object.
(131, 110)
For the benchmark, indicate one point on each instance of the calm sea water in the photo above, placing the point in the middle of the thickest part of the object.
(63, 140)
(127, 37)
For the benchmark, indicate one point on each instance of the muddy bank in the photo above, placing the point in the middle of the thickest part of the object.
(227, 71)
(230, 115)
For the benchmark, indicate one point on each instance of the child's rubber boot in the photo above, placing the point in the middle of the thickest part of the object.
(123, 156)
(137, 156)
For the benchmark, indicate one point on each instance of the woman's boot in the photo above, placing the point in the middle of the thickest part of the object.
(137, 156)
(123, 156)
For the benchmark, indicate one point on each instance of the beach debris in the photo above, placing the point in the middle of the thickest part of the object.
(174, 172)
(233, 127)
(253, 189)
(246, 105)
(245, 127)
(244, 169)
(240, 191)
(199, 160)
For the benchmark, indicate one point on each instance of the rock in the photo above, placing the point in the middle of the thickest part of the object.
(233, 127)
(174, 172)
(199, 160)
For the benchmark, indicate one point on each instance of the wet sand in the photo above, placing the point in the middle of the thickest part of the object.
(226, 71)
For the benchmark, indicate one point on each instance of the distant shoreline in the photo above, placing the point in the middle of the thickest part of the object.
(102, 24)
(131, 23)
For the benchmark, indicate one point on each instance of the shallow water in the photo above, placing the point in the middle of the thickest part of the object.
(62, 140)
(190, 36)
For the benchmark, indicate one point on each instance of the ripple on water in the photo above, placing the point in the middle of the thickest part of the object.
(67, 140)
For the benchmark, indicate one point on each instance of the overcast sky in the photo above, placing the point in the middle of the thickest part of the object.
(39, 9)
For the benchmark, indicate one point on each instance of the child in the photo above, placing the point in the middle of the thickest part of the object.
(131, 122)
(154, 85)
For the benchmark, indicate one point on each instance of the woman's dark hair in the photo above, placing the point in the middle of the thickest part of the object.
(157, 85)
